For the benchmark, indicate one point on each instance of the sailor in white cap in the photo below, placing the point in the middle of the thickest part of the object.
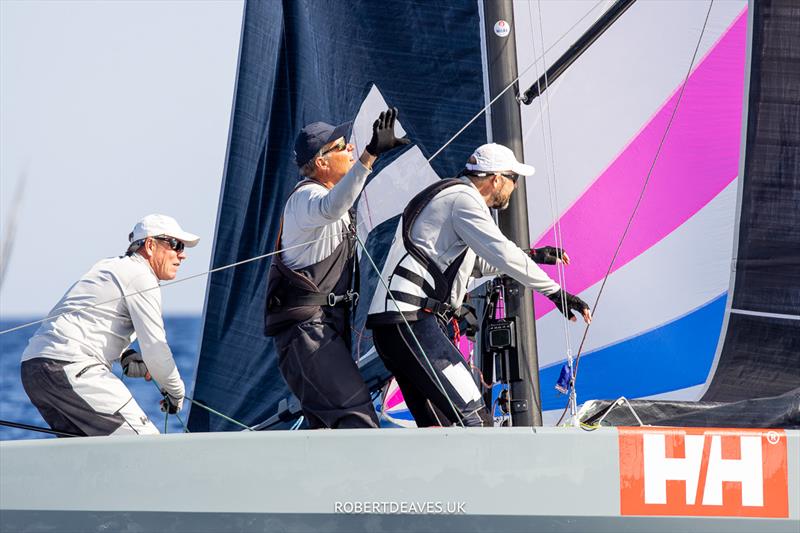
(448, 236)
(66, 368)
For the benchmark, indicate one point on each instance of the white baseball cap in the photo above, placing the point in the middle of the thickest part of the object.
(155, 225)
(497, 158)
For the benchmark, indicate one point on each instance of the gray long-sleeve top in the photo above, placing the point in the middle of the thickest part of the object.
(316, 218)
(101, 322)
(455, 220)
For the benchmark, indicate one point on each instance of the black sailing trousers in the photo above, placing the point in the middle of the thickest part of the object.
(314, 359)
(439, 389)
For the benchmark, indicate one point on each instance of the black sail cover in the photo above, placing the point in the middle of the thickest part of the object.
(295, 69)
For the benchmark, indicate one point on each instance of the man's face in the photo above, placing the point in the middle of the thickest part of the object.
(340, 159)
(163, 259)
(501, 196)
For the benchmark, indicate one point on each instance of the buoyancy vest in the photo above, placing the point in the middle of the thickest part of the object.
(294, 296)
(416, 282)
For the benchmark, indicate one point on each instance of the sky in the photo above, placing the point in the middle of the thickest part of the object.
(109, 111)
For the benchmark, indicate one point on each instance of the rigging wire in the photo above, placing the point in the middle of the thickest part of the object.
(554, 203)
(167, 284)
(513, 82)
(435, 154)
(552, 181)
(639, 200)
(218, 269)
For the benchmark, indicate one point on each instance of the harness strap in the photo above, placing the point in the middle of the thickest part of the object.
(414, 278)
(428, 305)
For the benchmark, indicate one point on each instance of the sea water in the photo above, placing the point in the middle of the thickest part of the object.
(183, 335)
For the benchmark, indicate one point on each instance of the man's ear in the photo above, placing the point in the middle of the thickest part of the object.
(149, 244)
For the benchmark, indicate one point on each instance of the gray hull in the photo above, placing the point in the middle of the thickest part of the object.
(510, 479)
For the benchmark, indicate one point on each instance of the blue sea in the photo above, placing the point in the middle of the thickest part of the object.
(183, 335)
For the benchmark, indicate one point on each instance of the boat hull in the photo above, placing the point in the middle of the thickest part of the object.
(444, 479)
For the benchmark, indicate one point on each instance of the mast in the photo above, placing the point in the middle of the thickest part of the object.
(506, 124)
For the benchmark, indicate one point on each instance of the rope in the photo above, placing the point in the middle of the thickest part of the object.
(225, 417)
(639, 200)
(213, 270)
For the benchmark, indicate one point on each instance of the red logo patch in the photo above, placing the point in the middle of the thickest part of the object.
(703, 472)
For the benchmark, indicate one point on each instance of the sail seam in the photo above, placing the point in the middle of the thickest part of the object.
(764, 314)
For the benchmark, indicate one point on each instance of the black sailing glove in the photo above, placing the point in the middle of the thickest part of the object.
(170, 404)
(548, 255)
(573, 303)
(133, 365)
(383, 139)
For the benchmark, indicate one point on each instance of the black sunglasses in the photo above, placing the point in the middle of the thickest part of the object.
(509, 175)
(339, 145)
(174, 243)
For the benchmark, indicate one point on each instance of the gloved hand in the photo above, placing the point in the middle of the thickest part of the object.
(573, 303)
(170, 404)
(133, 365)
(383, 139)
(548, 255)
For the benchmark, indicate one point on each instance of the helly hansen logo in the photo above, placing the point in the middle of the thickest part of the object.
(703, 472)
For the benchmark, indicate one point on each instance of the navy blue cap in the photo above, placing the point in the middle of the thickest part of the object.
(313, 137)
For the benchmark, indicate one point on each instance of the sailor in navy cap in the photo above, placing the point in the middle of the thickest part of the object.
(309, 289)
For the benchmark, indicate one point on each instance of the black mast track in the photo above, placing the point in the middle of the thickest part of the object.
(574, 52)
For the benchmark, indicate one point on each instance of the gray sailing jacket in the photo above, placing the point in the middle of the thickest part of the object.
(455, 230)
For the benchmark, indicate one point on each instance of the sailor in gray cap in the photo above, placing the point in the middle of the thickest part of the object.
(448, 236)
(309, 289)
(66, 368)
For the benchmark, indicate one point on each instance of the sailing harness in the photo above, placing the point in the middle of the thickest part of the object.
(294, 296)
(418, 269)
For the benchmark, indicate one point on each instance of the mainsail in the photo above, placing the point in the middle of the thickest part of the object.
(663, 88)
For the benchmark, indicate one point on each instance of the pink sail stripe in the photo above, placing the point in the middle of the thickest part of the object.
(395, 399)
(699, 158)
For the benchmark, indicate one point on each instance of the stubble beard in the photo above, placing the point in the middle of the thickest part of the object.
(499, 202)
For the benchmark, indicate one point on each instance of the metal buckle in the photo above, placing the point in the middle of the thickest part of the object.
(331, 299)
(352, 296)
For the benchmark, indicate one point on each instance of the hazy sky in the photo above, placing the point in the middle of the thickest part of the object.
(112, 110)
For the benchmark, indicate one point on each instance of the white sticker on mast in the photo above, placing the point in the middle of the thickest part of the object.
(502, 28)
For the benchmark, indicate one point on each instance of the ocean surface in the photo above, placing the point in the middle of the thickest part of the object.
(183, 335)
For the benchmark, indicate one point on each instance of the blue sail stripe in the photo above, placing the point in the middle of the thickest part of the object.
(674, 356)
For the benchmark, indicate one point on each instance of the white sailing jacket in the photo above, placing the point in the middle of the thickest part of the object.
(100, 324)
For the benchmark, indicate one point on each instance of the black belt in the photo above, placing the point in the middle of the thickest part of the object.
(314, 299)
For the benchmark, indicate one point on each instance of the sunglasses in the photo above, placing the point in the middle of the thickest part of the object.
(508, 175)
(338, 146)
(173, 243)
